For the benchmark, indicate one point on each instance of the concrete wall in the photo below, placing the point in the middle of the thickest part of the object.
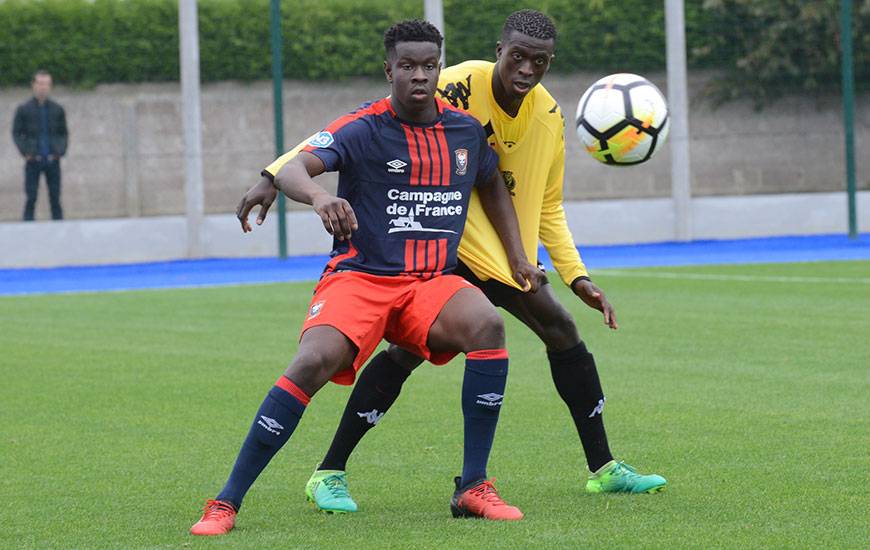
(123, 240)
(125, 146)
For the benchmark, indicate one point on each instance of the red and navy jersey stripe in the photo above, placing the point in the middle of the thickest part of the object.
(430, 157)
(409, 185)
(425, 257)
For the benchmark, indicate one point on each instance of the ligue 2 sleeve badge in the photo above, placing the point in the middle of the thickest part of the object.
(461, 161)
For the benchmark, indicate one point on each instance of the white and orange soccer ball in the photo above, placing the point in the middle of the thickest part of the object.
(622, 119)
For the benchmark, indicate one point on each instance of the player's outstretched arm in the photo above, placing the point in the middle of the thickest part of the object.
(295, 180)
(496, 202)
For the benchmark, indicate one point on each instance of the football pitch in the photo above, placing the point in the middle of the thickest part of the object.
(746, 386)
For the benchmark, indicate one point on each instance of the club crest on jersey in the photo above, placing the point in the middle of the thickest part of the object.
(509, 181)
(461, 161)
(315, 309)
(321, 139)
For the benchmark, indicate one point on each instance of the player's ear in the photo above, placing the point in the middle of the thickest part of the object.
(388, 70)
(498, 48)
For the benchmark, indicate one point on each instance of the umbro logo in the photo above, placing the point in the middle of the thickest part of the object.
(372, 417)
(489, 399)
(270, 424)
(396, 166)
(599, 408)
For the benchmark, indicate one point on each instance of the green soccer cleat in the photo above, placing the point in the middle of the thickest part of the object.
(619, 477)
(327, 489)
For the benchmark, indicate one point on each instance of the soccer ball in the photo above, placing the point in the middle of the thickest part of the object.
(622, 119)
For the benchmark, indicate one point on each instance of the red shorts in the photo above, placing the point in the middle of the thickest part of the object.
(367, 308)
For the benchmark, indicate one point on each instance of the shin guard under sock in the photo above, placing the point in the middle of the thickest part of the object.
(376, 390)
(482, 393)
(275, 421)
(576, 379)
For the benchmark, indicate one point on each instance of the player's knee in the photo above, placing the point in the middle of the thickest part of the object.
(560, 331)
(311, 368)
(487, 332)
(311, 359)
(403, 358)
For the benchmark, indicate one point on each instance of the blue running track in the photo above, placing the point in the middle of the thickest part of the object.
(217, 272)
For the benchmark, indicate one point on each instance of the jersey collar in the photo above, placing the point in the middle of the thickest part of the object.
(440, 107)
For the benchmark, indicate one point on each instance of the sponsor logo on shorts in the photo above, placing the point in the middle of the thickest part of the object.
(315, 310)
(599, 408)
(461, 161)
(321, 139)
(270, 424)
(372, 417)
(489, 399)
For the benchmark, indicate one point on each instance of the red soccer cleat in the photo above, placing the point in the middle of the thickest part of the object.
(218, 518)
(481, 500)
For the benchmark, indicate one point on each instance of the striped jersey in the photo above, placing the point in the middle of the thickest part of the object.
(409, 185)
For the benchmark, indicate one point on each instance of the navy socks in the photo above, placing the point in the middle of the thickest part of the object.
(482, 394)
(275, 421)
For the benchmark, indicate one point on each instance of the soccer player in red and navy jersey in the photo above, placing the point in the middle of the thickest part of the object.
(406, 164)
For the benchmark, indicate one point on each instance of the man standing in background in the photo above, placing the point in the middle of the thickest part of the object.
(40, 133)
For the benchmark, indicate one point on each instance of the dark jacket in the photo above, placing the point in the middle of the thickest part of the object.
(25, 128)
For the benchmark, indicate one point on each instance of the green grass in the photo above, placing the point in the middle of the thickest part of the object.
(746, 386)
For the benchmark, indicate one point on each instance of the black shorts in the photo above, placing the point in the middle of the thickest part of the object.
(498, 293)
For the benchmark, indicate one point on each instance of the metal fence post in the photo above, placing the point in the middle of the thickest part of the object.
(849, 110)
(278, 107)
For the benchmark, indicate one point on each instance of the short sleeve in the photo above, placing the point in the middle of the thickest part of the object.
(341, 144)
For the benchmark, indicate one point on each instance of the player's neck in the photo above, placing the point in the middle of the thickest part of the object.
(424, 115)
(508, 102)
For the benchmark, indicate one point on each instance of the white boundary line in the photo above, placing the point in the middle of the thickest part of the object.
(640, 274)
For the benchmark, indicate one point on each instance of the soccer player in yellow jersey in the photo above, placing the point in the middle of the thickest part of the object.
(525, 127)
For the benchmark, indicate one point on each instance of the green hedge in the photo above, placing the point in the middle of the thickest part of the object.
(89, 41)
(764, 45)
(782, 46)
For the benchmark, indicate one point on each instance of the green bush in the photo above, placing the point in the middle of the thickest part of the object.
(764, 46)
(776, 47)
(83, 42)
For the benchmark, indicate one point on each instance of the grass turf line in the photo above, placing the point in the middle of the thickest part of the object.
(122, 412)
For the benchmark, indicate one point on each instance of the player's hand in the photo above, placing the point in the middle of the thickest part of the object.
(528, 276)
(594, 297)
(264, 194)
(336, 214)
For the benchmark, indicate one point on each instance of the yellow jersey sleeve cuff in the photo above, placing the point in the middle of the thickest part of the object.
(273, 169)
(570, 277)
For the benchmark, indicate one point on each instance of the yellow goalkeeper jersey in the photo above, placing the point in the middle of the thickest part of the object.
(531, 152)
